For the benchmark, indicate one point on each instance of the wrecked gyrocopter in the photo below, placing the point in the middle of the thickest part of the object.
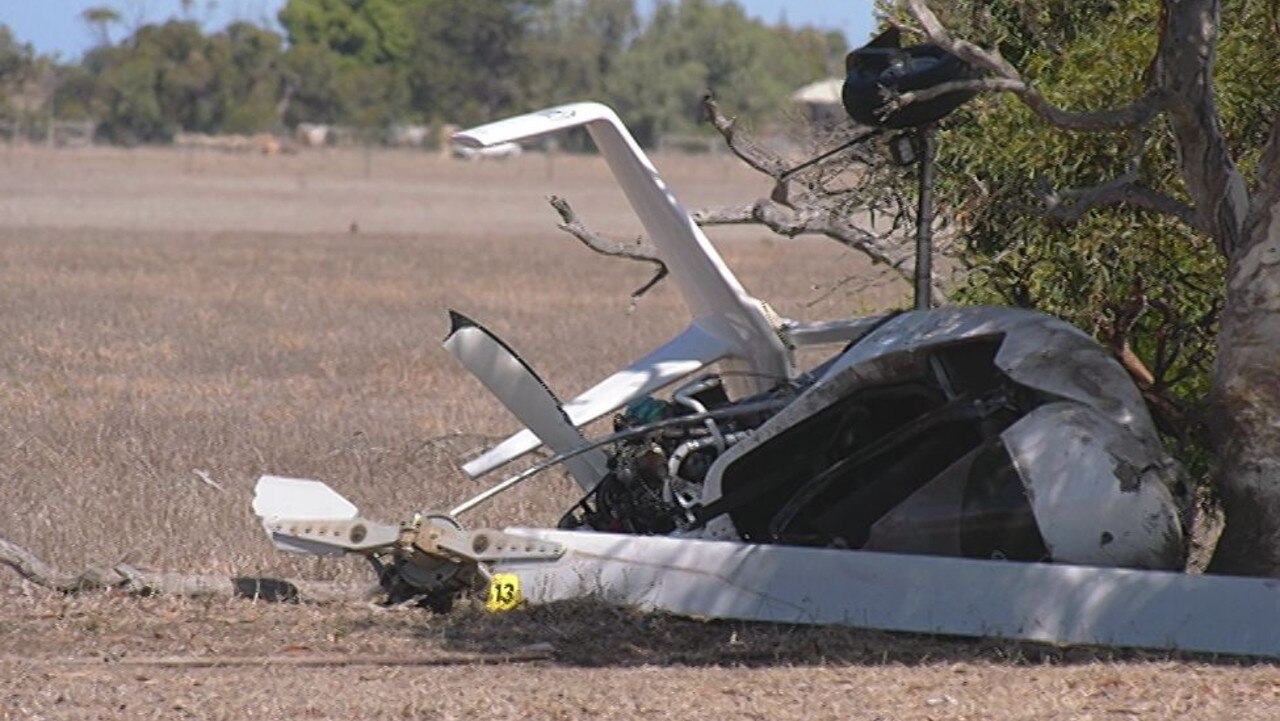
(962, 470)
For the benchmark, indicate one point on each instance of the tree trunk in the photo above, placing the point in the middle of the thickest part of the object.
(1245, 403)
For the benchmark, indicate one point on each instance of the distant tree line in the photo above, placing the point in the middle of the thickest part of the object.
(376, 63)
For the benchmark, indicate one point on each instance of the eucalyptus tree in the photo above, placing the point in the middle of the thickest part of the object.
(1167, 114)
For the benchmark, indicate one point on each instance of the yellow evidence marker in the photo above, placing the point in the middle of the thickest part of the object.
(504, 592)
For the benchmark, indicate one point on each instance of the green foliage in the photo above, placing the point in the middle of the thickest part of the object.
(373, 63)
(575, 47)
(367, 31)
(172, 77)
(468, 61)
(247, 85)
(100, 19)
(17, 65)
(1126, 275)
(696, 45)
(464, 61)
(330, 88)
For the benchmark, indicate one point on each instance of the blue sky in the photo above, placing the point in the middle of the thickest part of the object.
(55, 26)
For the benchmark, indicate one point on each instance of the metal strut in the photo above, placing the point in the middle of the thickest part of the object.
(924, 222)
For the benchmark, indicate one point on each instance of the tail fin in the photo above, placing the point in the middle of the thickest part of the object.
(716, 300)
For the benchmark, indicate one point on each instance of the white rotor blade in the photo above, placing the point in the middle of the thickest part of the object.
(296, 499)
(513, 382)
(299, 499)
(1049, 602)
(688, 352)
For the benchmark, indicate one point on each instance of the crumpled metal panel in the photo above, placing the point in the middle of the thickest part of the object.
(1039, 351)
(1097, 495)
(1050, 356)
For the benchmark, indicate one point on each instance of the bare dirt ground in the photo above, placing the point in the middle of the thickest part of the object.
(169, 316)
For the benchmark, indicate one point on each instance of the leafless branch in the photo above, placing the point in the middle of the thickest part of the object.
(790, 222)
(1172, 415)
(814, 202)
(631, 251)
(127, 578)
(883, 279)
(742, 144)
(795, 208)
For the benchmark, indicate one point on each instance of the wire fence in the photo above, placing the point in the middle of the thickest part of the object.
(48, 131)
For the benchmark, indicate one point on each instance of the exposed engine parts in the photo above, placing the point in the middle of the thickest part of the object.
(905, 453)
(831, 478)
(654, 484)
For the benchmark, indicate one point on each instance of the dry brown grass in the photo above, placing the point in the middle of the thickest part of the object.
(92, 661)
(162, 317)
(162, 313)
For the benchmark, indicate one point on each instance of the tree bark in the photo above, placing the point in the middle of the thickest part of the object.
(1184, 66)
(1245, 402)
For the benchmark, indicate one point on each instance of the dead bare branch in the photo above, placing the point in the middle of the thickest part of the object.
(785, 220)
(742, 144)
(631, 251)
(129, 579)
(1171, 414)
(794, 208)
(790, 222)
(883, 279)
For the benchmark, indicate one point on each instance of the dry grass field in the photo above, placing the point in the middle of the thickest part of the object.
(166, 316)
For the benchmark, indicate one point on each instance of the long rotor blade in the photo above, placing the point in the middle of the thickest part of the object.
(513, 382)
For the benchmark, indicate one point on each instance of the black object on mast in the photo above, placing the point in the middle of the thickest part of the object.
(881, 66)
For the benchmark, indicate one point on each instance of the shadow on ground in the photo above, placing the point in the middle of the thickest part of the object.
(589, 633)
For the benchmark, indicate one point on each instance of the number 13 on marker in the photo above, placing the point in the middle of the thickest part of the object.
(504, 592)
